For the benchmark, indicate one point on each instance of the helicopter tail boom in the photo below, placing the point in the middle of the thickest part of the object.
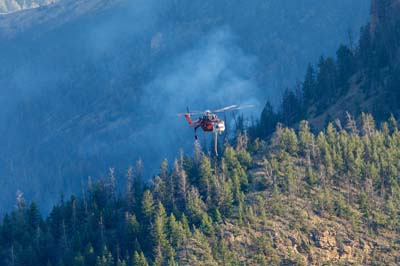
(189, 119)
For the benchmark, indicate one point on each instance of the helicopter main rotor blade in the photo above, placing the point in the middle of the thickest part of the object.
(192, 113)
(228, 108)
(233, 107)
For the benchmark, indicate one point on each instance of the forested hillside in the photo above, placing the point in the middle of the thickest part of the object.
(300, 199)
(324, 192)
(362, 77)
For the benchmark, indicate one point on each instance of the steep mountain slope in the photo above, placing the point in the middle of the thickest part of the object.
(302, 199)
(362, 77)
(9, 6)
(40, 21)
(90, 84)
(374, 86)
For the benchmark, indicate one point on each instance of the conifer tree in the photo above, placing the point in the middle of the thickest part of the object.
(147, 207)
(129, 187)
(161, 246)
(182, 184)
(345, 67)
(309, 85)
(268, 121)
(306, 138)
(139, 259)
(195, 205)
(206, 178)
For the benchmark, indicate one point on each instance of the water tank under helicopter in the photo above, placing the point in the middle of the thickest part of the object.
(219, 127)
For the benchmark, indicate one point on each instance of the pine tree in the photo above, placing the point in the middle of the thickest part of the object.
(121, 263)
(195, 205)
(306, 138)
(147, 207)
(129, 187)
(291, 107)
(268, 121)
(309, 85)
(205, 178)
(326, 81)
(223, 195)
(139, 259)
(132, 227)
(112, 182)
(79, 260)
(290, 141)
(138, 182)
(345, 67)
(198, 251)
(159, 189)
(182, 185)
(162, 248)
(176, 233)
(393, 125)
(206, 225)
(368, 124)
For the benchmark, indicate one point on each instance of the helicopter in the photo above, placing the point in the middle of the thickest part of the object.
(209, 121)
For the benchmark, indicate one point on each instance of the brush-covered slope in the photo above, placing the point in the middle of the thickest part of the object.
(302, 199)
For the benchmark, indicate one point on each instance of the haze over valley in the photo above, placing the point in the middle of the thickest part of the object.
(88, 85)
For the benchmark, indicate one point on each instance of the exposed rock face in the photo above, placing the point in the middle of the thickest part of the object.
(384, 12)
(385, 27)
(9, 6)
(326, 240)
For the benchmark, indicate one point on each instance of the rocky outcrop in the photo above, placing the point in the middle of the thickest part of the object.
(385, 29)
(385, 15)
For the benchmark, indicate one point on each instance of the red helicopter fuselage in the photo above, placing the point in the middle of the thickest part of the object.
(208, 124)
